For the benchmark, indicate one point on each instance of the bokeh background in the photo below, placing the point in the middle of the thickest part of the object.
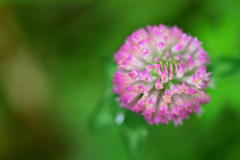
(52, 77)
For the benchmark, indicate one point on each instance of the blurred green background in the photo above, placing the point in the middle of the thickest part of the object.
(53, 57)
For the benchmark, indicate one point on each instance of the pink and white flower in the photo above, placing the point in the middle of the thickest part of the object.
(162, 74)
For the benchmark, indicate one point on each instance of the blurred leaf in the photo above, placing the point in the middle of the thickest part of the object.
(107, 114)
(134, 134)
(223, 67)
(103, 116)
(109, 66)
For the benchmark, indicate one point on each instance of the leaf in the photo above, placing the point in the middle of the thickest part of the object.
(223, 67)
(107, 114)
(134, 134)
(103, 116)
(109, 66)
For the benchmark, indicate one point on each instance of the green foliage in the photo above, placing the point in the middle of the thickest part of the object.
(132, 127)
(134, 134)
(103, 117)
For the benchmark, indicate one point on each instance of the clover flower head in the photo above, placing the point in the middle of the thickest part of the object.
(162, 74)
